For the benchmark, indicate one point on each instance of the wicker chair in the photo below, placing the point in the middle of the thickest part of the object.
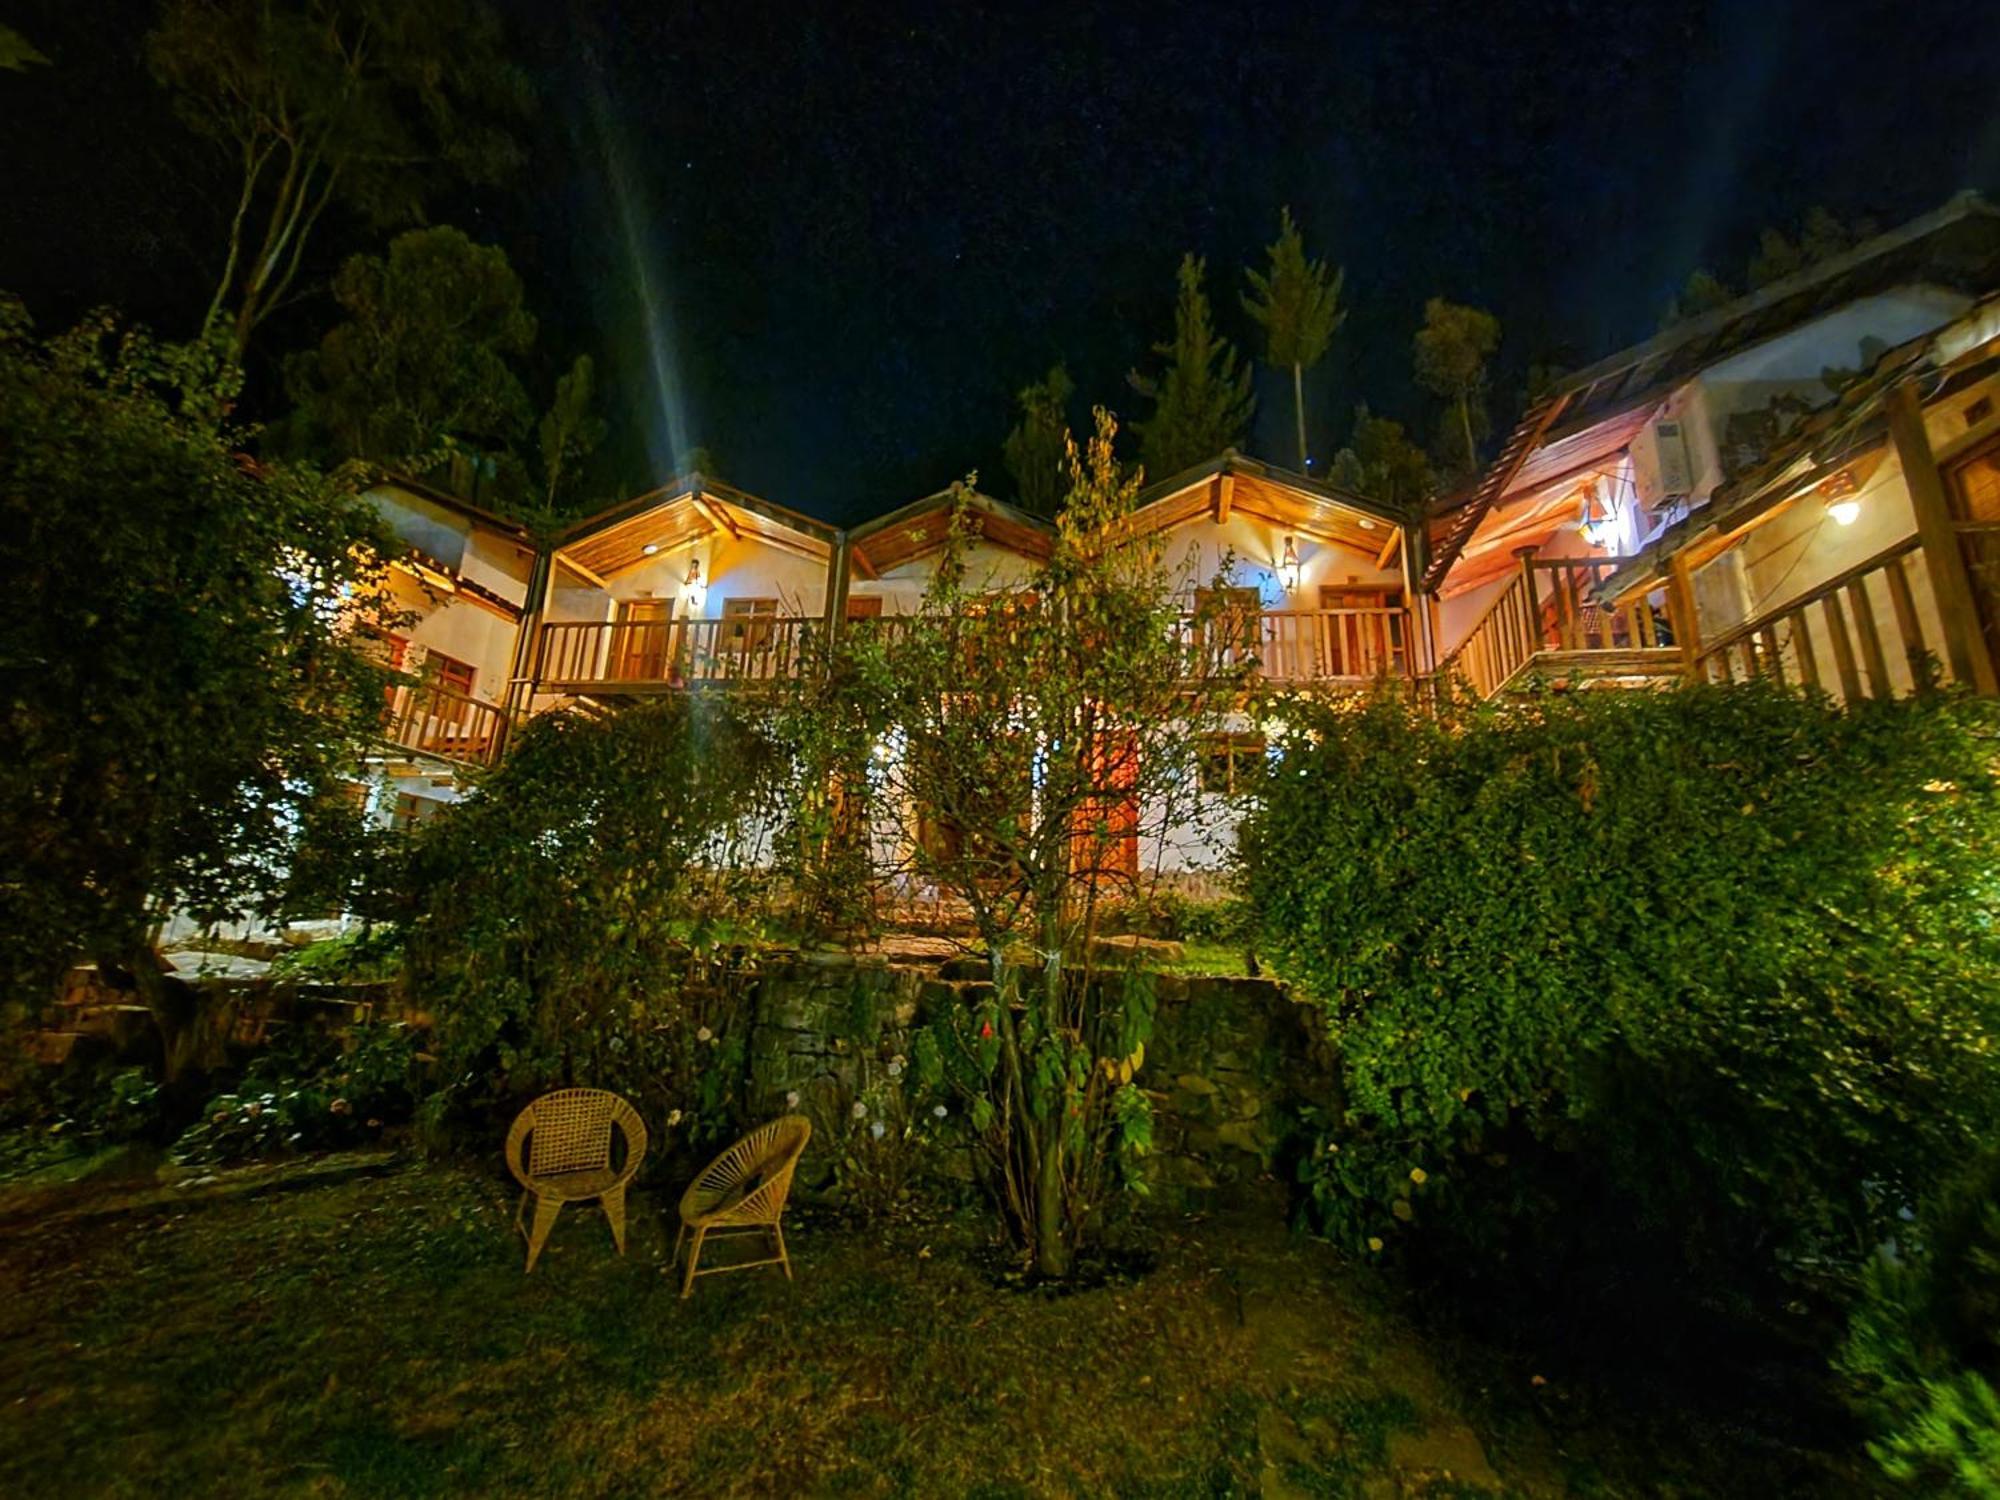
(567, 1136)
(743, 1191)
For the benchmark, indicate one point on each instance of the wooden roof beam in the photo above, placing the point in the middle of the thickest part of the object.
(716, 516)
(1225, 494)
(563, 559)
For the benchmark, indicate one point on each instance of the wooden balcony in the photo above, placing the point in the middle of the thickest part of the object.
(588, 657)
(1295, 646)
(431, 719)
(1551, 620)
(594, 658)
(1858, 635)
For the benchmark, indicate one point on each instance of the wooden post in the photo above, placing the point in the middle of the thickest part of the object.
(1951, 585)
(1681, 610)
(839, 569)
(1526, 557)
(527, 637)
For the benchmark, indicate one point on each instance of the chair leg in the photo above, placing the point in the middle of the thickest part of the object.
(521, 1214)
(546, 1210)
(679, 1235)
(778, 1233)
(694, 1259)
(614, 1210)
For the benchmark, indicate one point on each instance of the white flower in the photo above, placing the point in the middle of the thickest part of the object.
(860, 1110)
(674, 1118)
(792, 1099)
(940, 1111)
(878, 1129)
(704, 1035)
(895, 1067)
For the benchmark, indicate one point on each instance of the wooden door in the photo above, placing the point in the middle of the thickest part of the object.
(1357, 645)
(1104, 842)
(639, 644)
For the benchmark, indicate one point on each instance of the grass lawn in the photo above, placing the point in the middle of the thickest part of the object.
(376, 1337)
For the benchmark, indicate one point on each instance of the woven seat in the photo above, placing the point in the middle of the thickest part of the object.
(567, 1140)
(743, 1191)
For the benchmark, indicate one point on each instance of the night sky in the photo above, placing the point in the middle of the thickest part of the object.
(829, 243)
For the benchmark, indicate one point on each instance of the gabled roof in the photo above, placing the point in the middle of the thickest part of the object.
(1233, 484)
(1956, 246)
(1840, 435)
(922, 527)
(679, 514)
(492, 520)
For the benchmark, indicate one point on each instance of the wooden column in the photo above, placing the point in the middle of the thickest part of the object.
(1681, 610)
(527, 635)
(1420, 646)
(1951, 585)
(1533, 624)
(839, 569)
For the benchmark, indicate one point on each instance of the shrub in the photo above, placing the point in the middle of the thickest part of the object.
(580, 918)
(1923, 1347)
(1713, 970)
(310, 1092)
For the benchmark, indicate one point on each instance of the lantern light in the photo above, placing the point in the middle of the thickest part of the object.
(693, 590)
(1288, 566)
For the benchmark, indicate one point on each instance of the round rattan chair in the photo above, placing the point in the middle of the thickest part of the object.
(567, 1138)
(743, 1191)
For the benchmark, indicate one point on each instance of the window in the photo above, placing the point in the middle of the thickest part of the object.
(1228, 761)
(745, 624)
(413, 811)
(864, 606)
(449, 672)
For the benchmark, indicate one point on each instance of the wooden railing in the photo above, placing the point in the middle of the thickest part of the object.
(1551, 604)
(437, 720)
(1287, 645)
(1867, 629)
(1304, 645)
(757, 648)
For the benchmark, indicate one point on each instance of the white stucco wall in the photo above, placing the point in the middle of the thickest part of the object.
(988, 568)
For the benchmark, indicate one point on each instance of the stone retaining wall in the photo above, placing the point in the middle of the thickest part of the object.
(1230, 1062)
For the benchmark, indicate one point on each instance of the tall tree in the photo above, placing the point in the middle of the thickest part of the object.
(1381, 462)
(375, 104)
(1452, 350)
(1024, 752)
(422, 364)
(183, 695)
(569, 433)
(1297, 304)
(1037, 449)
(1201, 400)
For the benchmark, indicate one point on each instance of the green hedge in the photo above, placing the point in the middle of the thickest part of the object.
(1711, 973)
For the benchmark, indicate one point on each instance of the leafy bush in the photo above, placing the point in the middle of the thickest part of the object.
(365, 955)
(312, 1092)
(1714, 972)
(1924, 1345)
(885, 1136)
(68, 1113)
(581, 917)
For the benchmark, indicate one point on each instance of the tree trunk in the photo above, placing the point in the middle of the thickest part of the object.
(1051, 1249)
(1299, 411)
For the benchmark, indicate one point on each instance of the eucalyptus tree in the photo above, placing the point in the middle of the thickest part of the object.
(1297, 304)
(375, 105)
(1202, 399)
(1452, 351)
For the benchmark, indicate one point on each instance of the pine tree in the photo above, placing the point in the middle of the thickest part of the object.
(1037, 450)
(1201, 400)
(1297, 304)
